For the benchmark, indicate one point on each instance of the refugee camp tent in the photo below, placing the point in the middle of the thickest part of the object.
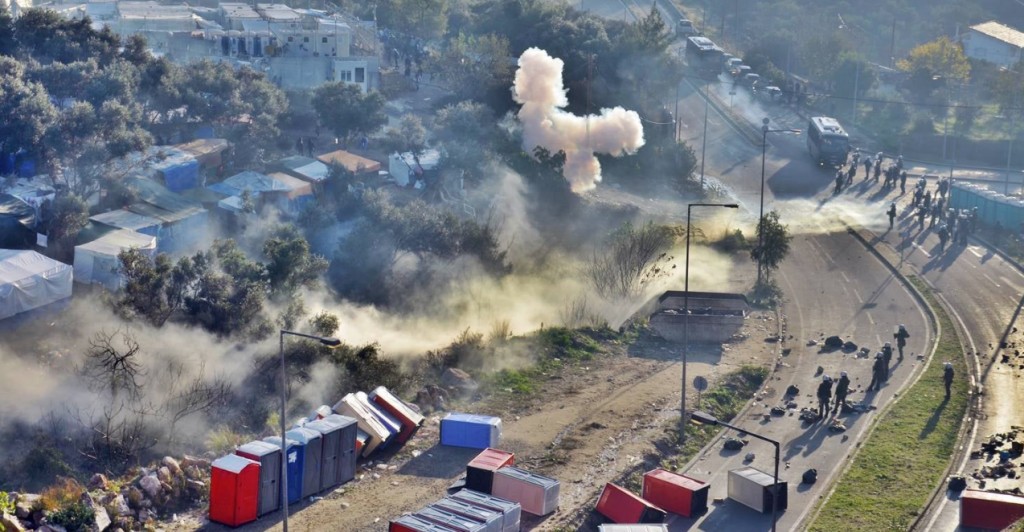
(263, 189)
(29, 280)
(304, 168)
(17, 223)
(96, 261)
(177, 169)
(184, 222)
(351, 162)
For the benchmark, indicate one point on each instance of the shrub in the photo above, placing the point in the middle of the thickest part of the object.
(73, 517)
(731, 242)
(60, 495)
(223, 440)
(41, 465)
(6, 503)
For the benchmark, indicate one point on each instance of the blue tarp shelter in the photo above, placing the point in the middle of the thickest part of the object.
(183, 222)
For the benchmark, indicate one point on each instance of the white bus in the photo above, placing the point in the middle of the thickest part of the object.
(827, 142)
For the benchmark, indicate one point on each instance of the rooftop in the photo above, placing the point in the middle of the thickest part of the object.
(153, 10)
(1001, 32)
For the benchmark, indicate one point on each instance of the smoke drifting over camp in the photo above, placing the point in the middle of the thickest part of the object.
(538, 87)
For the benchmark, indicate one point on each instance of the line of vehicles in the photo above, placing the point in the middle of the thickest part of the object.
(827, 142)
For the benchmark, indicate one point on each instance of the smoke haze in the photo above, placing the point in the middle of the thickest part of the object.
(539, 89)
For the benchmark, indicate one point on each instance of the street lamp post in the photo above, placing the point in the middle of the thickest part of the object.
(708, 419)
(329, 342)
(764, 149)
(686, 310)
(704, 138)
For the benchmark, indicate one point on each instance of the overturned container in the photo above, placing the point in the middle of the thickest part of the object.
(675, 493)
(367, 422)
(470, 430)
(480, 471)
(410, 419)
(753, 488)
(620, 505)
(511, 511)
(491, 519)
(537, 494)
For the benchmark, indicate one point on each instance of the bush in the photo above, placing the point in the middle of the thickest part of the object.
(6, 503)
(731, 242)
(73, 517)
(41, 465)
(60, 495)
(223, 440)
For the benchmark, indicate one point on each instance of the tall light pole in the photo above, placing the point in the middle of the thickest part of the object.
(704, 138)
(760, 219)
(329, 342)
(708, 419)
(686, 310)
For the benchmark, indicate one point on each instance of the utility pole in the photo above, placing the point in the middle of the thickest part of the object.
(892, 45)
(856, 87)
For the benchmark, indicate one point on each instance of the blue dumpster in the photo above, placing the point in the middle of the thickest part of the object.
(311, 445)
(470, 430)
(295, 455)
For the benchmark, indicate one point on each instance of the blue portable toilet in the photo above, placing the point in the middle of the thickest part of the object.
(311, 446)
(470, 430)
(294, 455)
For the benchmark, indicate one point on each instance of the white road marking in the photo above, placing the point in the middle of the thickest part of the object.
(1009, 283)
(987, 276)
(855, 292)
(974, 251)
(872, 320)
(921, 249)
(847, 279)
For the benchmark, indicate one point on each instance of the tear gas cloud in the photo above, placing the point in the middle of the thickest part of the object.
(539, 89)
(820, 216)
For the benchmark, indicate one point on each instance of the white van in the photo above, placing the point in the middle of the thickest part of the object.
(685, 28)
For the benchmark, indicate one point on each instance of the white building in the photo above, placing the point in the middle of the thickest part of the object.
(994, 42)
(152, 17)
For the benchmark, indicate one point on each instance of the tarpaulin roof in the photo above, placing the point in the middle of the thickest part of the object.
(114, 242)
(296, 186)
(158, 202)
(30, 280)
(125, 219)
(17, 211)
(304, 168)
(201, 148)
(352, 162)
(254, 182)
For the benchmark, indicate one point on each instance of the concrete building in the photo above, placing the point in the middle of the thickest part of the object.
(151, 17)
(994, 42)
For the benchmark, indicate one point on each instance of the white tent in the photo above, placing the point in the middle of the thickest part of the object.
(29, 280)
(96, 261)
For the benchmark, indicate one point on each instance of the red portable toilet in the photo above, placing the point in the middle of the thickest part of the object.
(619, 505)
(234, 490)
(409, 418)
(675, 493)
(480, 471)
(990, 511)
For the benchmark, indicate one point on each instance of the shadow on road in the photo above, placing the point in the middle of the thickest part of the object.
(440, 461)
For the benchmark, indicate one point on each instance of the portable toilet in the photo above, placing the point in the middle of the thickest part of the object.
(620, 505)
(294, 468)
(480, 470)
(753, 488)
(338, 464)
(361, 438)
(537, 494)
(469, 430)
(234, 490)
(988, 510)
(492, 519)
(389, 422)
(511, 511)
(320, 412)
(409, 418)
(310, 443)
(352, 407)
(415, 523)
(269, 457)
(453, 521)
(675, 493)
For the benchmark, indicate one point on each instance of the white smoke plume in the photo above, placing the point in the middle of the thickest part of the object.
(538, 87)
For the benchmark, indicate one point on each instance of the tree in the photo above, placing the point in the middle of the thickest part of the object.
(155, 289)
(8, 44)
(820, 54)
(46, 36)
(774, 241)
(26, 113)
(324, 323)
(425, 19)
(346, 111)
(941, 59)
(466, 133)
(291, 263)
(649, 35)
(67, 217)
(476, 67)
(409, 136)
(633, 258)
(112, 367)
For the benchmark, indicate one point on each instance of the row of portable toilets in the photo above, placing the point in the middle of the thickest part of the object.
(322, 450)
(495, 495)
(992, 206)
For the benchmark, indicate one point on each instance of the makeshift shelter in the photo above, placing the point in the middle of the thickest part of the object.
(96, 261)
(234, 490)
(29, 280)
(299, 193)
(183, 221)
(125, 219)
(304, 168)
(351, 162)
(17, 223)
(263, 189)
(407, 168)
(177, 169)
(208, 152)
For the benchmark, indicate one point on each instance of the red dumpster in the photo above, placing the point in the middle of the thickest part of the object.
(480, 471)
(621, 506)
(994, 511)
(675, 493)
(234, 490)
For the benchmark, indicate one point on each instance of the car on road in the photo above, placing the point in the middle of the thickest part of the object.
(685, 28)
(750, 79)
(732, 63)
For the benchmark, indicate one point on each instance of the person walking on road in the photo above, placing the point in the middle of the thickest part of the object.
(943, 187)
(824, 395)
(903, 182)
(947, 377)
(943, 237)
(842, 389)
(891, 213)
(901, 336)
(887, 358)
(876, 373)
(867, 167)
(839, 182)
(878, 167)
(921, 213)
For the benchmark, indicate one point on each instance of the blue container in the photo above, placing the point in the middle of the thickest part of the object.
(312, 447)
(295, 456)
(393, 426)
(469, 430)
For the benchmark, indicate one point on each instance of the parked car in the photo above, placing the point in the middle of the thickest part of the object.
(731, 63)
(750, 79)
(771, 93)
(740, 70)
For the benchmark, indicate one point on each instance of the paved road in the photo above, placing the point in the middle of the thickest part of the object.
(833, 286)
